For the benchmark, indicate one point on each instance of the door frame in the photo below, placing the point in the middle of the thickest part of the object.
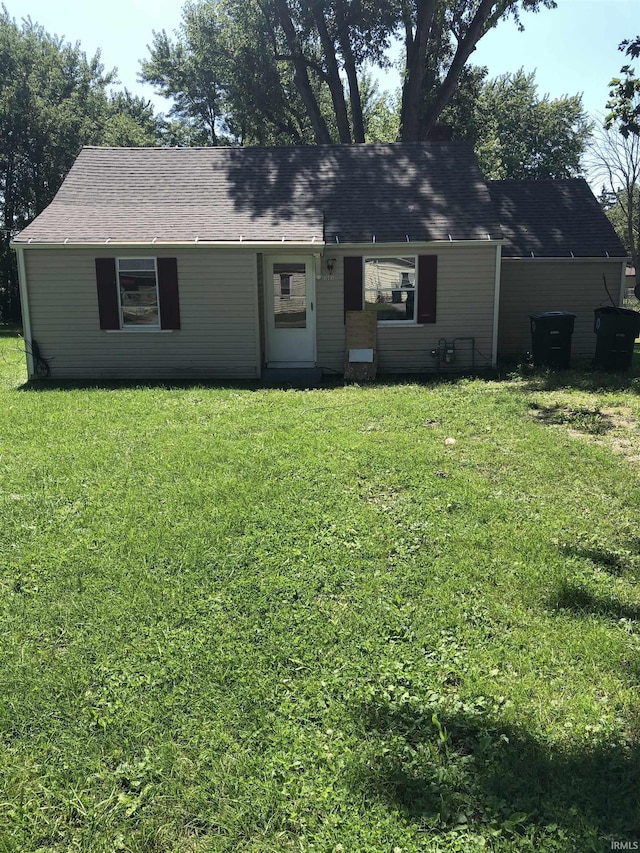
(310, 265)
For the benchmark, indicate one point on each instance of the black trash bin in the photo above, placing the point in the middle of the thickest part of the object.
(616, 330)
(551, 333)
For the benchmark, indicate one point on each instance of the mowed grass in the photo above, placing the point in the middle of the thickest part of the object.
(271, 620)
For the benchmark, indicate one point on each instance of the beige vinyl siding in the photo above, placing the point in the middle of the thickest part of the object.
(529, 286)
(330, 318)
(465, 306)
(218, 303)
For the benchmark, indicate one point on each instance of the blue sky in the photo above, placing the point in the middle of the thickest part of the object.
(573, 49)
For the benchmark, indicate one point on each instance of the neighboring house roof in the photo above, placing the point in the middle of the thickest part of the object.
(351, 194)
(553, 219)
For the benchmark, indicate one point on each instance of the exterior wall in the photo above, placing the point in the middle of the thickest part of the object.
(218, 313)
(465, 308)
(529, 286)
(221, 308)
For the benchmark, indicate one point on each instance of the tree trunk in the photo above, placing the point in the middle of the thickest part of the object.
(301, 76)
(333, 77)
(352, 73)
(416, 49)
(464, 50)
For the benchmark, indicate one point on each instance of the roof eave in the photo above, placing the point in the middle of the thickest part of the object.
(605, 258)
(369, 244)
(168, 244)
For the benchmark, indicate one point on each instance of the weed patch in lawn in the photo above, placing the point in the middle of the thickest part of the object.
(591, 421)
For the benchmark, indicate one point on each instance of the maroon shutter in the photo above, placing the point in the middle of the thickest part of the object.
(168, 293)
(353, 284)
(107, 293)
(427, 288)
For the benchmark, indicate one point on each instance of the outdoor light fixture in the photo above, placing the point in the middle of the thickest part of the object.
(331, 262)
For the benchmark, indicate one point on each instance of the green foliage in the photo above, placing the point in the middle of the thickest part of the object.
(130, 121)
(517, 134)
(223, 77)
(263, 71)
(618, 214)
(238, 619)
(523, 136)
(624, 94)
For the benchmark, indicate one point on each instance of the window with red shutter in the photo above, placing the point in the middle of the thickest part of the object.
(427, 288)
(138, 293)
(352, 284)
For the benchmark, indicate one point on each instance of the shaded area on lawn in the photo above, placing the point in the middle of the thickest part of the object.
(573, 596)
(462, 770)
(581, 377)
(617, 561)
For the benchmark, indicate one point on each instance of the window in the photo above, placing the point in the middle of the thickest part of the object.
(390, 289)
(285, 285)
(290, 296)
(138, 293)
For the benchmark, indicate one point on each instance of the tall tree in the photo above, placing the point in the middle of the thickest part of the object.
(440, 36)
(614, 160)
(317, 53)
(517, 134)
(624, 95)
(223, 72)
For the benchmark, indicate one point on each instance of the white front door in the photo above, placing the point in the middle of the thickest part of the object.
(290, 311)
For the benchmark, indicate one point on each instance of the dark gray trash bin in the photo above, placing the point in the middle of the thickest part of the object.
(616, 330)
(551, 333)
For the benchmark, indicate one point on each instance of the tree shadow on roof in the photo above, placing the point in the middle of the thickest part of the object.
(368, 193)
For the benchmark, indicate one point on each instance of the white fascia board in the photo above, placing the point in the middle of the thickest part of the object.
(24, 308)
(413, 245)
(191, 244)
(600, 258)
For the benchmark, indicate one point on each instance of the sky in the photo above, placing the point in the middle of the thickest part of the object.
(572, 49)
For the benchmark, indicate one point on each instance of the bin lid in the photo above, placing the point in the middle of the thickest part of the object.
(613, 310)
(551, 314)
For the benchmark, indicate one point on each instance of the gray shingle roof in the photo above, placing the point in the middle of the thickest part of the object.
(553, 219)
(430, 191)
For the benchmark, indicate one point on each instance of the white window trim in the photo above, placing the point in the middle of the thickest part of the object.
(137, 329)
(366, 258)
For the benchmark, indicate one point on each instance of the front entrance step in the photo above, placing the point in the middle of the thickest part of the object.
(292, 377)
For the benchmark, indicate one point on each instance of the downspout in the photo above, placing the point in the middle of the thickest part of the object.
(24, 307)
(496, 307)
(623, 282)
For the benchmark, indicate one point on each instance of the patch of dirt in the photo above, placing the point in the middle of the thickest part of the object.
(582, 419)
(615, 427)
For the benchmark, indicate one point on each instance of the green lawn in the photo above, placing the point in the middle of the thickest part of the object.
(278, 620)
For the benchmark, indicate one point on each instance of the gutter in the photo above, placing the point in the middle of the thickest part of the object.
(281, 245)
(24, 307)
(603, 259)
(413, 244)
(253, 244)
